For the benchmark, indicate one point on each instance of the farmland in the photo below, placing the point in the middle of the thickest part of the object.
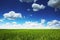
(30, 34)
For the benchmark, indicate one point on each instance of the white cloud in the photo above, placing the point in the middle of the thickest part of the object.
(12, 15)
(35, 0)
(42, 21)
(26, 25)
(54, 24)
(2, 20)
(54, 3)
(28, 1)
(37, 7)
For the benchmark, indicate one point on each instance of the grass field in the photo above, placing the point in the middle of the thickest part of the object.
(33, 34)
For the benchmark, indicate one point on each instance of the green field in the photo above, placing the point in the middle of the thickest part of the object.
(33, 34)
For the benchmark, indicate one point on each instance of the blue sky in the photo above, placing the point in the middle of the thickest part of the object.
(21, 11)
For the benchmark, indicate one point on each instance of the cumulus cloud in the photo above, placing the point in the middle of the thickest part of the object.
(26, 25)
(12, 15)
(28, 1)
(54, 24)
(54, 3)
(37, 7)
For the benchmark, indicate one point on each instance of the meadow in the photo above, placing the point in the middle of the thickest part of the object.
(29, 34)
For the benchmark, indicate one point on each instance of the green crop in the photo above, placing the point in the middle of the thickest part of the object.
(30, 34)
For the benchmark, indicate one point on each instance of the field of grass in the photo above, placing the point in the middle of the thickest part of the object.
(33, 34)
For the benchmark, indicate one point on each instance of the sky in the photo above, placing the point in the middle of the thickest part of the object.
(29, 14)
